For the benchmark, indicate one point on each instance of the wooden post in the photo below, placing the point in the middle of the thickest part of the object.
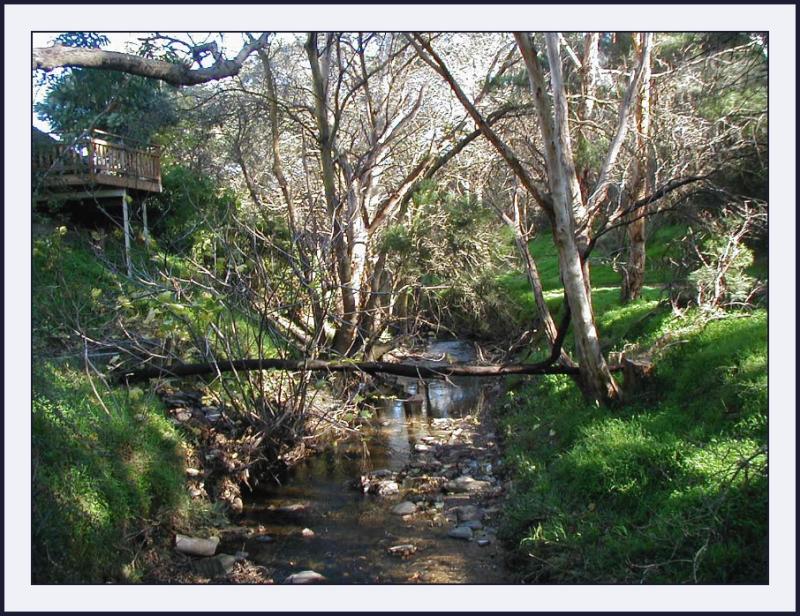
(126, 226)
(144, 222)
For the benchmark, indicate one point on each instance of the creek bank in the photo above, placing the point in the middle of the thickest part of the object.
(229, 451)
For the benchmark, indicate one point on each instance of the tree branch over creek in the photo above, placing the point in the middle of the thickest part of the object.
(370, 367)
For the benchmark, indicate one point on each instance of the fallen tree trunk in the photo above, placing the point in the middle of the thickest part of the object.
(369, 367)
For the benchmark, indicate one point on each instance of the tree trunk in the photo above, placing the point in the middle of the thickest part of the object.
(633, 280)
(566, 159)
(369, 367)
(521, 240)
(345, 332)
(596, 380)
(590, 72)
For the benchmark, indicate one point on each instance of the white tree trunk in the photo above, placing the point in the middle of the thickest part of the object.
(596, 379)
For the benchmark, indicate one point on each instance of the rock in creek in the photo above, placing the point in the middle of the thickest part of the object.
(473, 524)
(182, 415)
(305, 577)
(307, 532)
(404, 550)
(464, 513)
(293, 508)
(483, 542)
(460, 532)
(264, 539)
(221, 564)
(467, 484)
(404, 508)
(195, 546)
(385, 488)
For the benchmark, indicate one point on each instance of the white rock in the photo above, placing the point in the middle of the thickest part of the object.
(465, 483)
(387, 488)
(402, 550)
(196, 546)
(305, 577)
(404, 508)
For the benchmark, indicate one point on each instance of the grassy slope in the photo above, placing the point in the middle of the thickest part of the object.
(670, 488)
(101, 474)
(99, 477)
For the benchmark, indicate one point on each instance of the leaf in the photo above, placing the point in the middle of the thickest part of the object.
(150, 316)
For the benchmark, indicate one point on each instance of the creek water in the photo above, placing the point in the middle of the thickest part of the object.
(352, 531)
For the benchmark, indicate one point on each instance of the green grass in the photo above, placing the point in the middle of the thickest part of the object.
(102, 472)
(100, 475)
(670, 488)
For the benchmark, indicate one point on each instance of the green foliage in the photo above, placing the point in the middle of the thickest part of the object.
(98, 477)
(722, 273)
(514, 79)
(90, 40)
(397, 240)
(70, 289)
(127, 105)
(189, 205)
(589, 154)
(448, 242)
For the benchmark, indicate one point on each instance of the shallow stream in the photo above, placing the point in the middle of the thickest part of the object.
(317, 520)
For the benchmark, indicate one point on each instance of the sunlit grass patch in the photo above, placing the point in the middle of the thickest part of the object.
(671, 488)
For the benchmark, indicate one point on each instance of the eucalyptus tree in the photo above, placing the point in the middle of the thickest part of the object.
(349, 135)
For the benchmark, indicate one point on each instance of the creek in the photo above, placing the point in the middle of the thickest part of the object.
(316, 517)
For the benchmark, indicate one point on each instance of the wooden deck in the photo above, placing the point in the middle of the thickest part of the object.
(99, 160)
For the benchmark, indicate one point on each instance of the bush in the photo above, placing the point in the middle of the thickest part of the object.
(188, 204)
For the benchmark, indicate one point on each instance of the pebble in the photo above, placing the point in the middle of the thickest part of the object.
(293, 508)
(405, 549)
(460, 532)
(305, 577)
(307, 532)
(483, 542)
(221, 564)
(404, 508)
(467, 484)
(468, 512)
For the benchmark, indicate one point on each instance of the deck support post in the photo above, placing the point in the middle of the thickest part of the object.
(144, 222)
(126, 226)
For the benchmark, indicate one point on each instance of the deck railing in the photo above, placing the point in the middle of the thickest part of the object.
(96, 155)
